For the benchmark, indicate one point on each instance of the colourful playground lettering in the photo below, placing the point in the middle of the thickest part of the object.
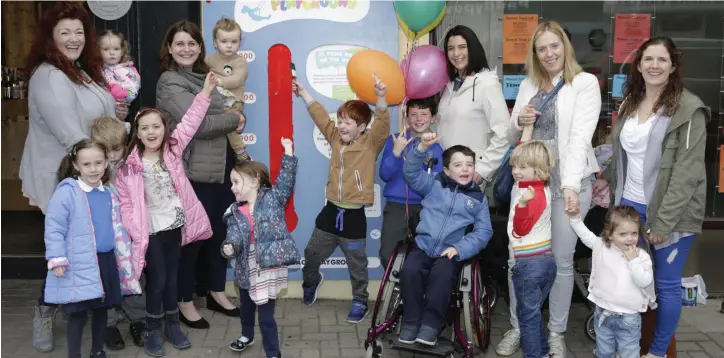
(253, 15)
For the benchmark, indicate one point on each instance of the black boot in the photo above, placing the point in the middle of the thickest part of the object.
(137, 329)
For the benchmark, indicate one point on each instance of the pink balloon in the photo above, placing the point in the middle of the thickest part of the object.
(425, 71)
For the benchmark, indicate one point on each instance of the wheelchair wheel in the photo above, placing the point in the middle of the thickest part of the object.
(590, 327)
(482, 307)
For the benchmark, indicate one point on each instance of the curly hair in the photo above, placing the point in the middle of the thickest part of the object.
(635, 90)
(44, 48)
(125, 47)
(166, 62)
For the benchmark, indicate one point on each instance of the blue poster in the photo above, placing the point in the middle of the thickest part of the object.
(322, 36)
(618, 82)
(511, 84)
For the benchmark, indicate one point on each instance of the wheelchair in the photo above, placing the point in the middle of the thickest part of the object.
(469, 314)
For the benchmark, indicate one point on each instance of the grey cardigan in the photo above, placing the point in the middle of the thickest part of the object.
(205, 157)
(61, 113)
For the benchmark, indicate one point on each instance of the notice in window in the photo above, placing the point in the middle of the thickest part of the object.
(517, 30)
(630, 32)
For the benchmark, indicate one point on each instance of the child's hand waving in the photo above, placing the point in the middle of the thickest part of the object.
(427, 140)
(450, 253)
(380, 87)
(209, 84)
(400, 143)
(288, 146)
(59, 271)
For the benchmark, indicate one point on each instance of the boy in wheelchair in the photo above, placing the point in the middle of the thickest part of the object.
(451, 202)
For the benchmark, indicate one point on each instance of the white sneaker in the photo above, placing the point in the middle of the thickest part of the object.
(509, 344)
(557, 343)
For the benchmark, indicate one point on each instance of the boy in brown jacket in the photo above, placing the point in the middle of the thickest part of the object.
(342, 222)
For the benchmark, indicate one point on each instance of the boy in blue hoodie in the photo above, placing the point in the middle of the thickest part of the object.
(401, 202)
(451, 202)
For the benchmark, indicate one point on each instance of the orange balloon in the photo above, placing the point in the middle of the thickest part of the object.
(361, 68)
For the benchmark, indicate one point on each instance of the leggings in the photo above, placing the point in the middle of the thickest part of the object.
(76, 322)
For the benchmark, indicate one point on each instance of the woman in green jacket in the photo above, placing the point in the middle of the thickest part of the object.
(658, 152)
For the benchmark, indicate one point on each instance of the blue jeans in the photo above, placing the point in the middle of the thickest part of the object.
(667, 280)
(617, 333)
(532, 281)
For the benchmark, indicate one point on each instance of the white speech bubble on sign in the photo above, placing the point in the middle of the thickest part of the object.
(252, 15)
(249, 97)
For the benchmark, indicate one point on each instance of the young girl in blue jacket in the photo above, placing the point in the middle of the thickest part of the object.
(88, 270)
(258, 239)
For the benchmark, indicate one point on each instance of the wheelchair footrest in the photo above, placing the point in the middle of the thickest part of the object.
(443, 348)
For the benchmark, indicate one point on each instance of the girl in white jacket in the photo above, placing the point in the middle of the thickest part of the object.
(566, 125)
(472, 110)
(621, 284)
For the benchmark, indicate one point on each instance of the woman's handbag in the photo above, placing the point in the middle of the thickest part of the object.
(504, 182)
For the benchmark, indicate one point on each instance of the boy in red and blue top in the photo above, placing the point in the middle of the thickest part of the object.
(401, 202)
(451, 203)
(529, 229)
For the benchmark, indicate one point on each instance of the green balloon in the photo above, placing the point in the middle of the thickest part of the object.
(418, 14)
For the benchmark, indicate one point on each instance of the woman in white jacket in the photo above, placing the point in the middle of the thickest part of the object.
(566, 124)
(472, 110)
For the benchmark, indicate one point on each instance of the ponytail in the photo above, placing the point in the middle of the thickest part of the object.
(66, 170)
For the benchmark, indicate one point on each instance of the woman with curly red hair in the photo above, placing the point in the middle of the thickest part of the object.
(66, 93)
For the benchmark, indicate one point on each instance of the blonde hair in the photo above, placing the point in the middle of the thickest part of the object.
(125, 57)
(535, 154)
(227, 25)
(109, 132)
(533, 67)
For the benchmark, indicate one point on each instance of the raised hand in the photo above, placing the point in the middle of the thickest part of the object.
(428, 139)
(209, 84)
(400, 143)
(288, 146)
(380, 87)
(527, 196)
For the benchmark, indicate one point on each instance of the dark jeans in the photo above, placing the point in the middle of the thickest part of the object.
(201, 260)
(267, 324)
(427, 305)
(76, 322)
(162, 265)
(532, 280)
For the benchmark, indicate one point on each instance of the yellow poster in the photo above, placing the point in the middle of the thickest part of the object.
(517, 30)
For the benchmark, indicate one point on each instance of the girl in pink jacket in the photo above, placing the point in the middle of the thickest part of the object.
(161, 212)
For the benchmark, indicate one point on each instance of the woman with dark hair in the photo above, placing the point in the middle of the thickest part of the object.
(565, 122)
(661, 135)
(472, 110)
(66, 92)
(208, 164)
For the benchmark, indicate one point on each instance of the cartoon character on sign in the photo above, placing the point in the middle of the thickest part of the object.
(255, 13)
